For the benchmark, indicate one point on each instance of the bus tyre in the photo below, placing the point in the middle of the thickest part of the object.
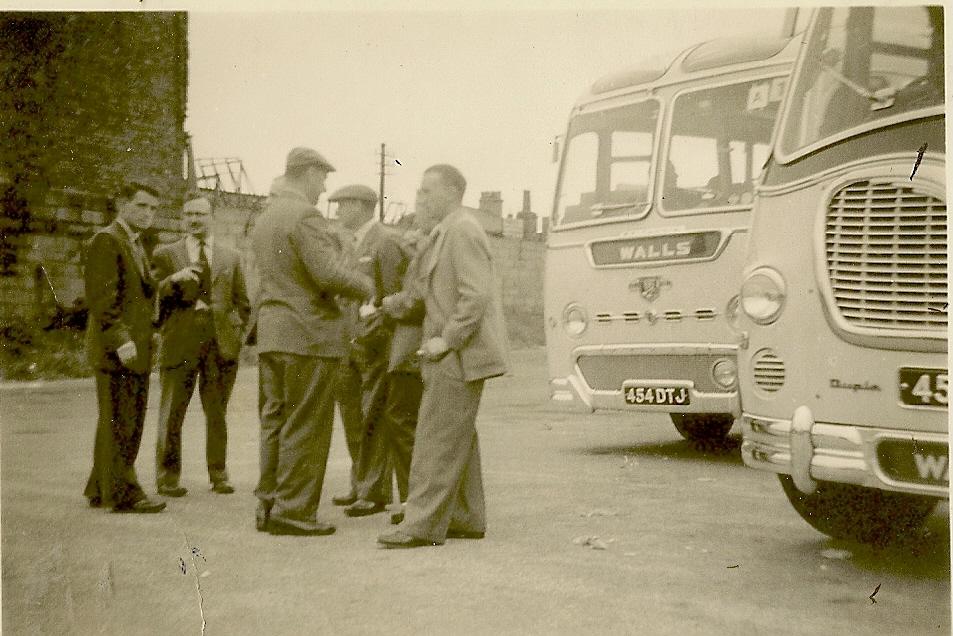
(856, 513)
(702, 427)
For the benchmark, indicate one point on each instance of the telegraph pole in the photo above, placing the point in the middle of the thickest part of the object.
(381, 194)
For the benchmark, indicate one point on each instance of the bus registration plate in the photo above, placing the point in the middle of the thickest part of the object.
(656, 395)
(923, 387)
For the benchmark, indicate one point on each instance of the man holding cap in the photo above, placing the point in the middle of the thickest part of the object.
(362, 383)
(203, 309)
(302, 335)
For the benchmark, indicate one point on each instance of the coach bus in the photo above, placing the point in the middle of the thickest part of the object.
(843, 328)
(650, 221)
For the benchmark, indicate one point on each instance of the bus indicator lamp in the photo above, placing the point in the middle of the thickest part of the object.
(575, 320)
(725, 373)
(762, 295)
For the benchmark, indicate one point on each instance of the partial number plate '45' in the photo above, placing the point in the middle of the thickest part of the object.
(924, 387)
(656, 395)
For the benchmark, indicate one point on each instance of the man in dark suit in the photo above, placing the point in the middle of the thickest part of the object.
(463, 345)
(203, 308)
(301, 336)
(119, 292)
(405, 386)
(377, 253)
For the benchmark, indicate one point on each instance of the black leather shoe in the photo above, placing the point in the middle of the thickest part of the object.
(172, 491)
(397, 518)
(223, 487)
(344, 500)
(262, 515)
(278, 527)
(143, 506)
(363, 508)
(453, 533)
(398, 539)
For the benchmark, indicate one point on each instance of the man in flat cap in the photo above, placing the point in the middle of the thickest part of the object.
(203, 309)
(302, 335)
(362, 384)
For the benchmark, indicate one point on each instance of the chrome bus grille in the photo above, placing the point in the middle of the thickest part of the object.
(886, 256)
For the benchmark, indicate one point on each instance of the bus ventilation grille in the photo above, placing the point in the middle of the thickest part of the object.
(768, 371)
(886, 256)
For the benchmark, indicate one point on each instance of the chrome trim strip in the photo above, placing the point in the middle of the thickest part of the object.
(880, 162)
(661, 348)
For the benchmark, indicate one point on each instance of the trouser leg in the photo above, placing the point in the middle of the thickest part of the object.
(99, 486)
(347, 392)
(216, 379)
(374, 473)
(271, 413)
(469, 512)
(305, 438)
(443, 449)
(400, 417)
(130, 393)
(176, 386)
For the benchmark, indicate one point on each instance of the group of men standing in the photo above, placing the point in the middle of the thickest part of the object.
(400, 330)
(194, 291)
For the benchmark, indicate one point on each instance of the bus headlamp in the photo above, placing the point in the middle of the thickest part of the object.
(575, 320)
(762, 295)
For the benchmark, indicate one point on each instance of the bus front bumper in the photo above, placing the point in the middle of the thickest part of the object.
(809, 451)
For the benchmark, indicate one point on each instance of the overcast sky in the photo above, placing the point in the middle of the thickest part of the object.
(484, 90)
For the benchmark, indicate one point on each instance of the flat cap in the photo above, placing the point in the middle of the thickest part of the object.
(359, 192)
(302, 156)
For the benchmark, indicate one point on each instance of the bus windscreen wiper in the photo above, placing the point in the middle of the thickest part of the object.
(599, 208)
(879, 99)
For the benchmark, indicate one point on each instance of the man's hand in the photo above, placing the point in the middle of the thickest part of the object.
(366, 310)
(390, 304)
(434, 349)
(127, 353)
(370, 289)
(187, 273)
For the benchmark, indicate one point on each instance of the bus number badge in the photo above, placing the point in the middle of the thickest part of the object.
(650, 286)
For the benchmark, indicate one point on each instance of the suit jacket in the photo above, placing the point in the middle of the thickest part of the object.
(298, 256)
(228, 302)
(408, 323)
(119, 292)
(381, 257)
(461, 296)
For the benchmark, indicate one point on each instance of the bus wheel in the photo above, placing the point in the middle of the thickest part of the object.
(855, 513)
(702, 427)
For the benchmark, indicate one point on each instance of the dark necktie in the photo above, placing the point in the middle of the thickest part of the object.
(205, 276)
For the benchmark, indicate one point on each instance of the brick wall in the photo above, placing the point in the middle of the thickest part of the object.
(87, 100)
(520, 264)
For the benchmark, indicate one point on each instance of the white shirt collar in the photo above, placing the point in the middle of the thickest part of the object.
(192, 245)
(133, 236)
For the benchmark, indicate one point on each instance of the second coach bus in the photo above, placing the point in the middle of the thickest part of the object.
(649, 228)
(844, 327)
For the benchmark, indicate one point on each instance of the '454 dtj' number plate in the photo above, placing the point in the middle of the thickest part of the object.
(656, 395)
(923, 387)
